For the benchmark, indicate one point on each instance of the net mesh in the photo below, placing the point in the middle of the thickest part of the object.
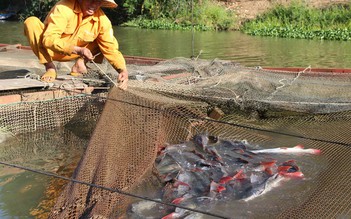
(170, 102)
(32, 116)
(56, 151)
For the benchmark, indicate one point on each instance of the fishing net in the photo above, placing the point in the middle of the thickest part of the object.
(32, 116)
(170, 102)
(54, 150)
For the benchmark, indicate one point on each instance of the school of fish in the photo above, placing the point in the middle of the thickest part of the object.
(210, 170)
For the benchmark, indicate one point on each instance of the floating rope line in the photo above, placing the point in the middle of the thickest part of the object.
(108, 189)
(283, 84)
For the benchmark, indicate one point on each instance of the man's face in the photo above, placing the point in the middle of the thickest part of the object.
(90, 6)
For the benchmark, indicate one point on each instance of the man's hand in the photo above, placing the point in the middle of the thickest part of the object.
(83, 52)
(123, 79)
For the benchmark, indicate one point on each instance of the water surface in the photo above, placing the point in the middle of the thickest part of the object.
(25, 194)
(233, 45)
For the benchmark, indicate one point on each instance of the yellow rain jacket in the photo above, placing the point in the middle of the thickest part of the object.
(64, 28)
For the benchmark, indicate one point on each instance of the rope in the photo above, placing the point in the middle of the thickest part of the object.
(283, 84)
(102, 71)
(108, 189)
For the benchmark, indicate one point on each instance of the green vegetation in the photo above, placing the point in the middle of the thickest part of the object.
(300, 21)
(4, 4)
(156, 14)
(163, 23)
(38, 8)
(179, 14)
(294, 21)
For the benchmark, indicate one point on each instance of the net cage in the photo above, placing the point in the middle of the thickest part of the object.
(170, 102)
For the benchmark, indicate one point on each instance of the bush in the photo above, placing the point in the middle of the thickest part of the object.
(180, 14)
(157, 14)
(38, 8)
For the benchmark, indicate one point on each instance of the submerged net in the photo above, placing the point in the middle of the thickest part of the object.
(170, 102)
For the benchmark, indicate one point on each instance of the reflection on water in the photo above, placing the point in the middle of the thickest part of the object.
(25, 194)
(247, 50)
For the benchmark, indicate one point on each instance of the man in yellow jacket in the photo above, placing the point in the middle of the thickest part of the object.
(76, 30)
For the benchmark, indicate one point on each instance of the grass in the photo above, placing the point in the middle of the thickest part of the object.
(209, 15)
(300, 21)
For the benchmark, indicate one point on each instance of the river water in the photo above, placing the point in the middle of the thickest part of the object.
(234, 45)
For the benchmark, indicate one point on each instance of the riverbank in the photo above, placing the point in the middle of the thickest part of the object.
(207, 16)
(250, 9)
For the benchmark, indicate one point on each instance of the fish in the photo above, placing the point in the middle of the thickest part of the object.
(208, 169)
(191, 202)
(262, 184)
(290, 169)
(260, 187)
(298, 149)
(147, 209)
(167, 163)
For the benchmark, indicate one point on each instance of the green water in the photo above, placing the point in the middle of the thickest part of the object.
(20, 193)
(247, 50)
(26, 194)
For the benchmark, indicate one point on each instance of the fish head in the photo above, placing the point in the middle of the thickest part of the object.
(212, 139)
(201, 140)
(290, 169)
